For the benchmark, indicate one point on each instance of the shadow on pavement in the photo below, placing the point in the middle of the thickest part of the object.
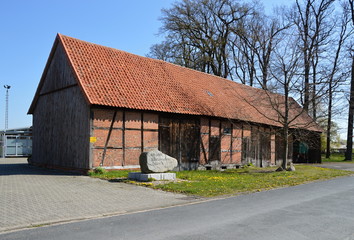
(23, 168)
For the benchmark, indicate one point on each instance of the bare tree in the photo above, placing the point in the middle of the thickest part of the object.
(285, 72)
(282, 108)
(349, 150)
(237, 40)
(244, 62)
(222, 37)
(257, 41)
(267, 39)
(205, 27)
(333, 82)
(309, 18)
(242, 47)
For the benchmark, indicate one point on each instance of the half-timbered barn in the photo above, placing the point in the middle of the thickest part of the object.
(98, 106)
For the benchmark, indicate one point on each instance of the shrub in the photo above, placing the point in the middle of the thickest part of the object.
(99, 170)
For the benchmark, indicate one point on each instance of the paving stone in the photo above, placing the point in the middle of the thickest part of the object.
(32, 196)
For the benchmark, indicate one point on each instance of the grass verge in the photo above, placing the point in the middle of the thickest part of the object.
(335, 157)
(235, 181)
(215, 183)
(110, 175)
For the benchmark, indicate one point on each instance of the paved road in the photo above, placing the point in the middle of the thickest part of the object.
(340, 165)
(33, 196)
(320, 210)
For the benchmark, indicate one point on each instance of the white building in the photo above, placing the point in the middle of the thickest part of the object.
(16, 142)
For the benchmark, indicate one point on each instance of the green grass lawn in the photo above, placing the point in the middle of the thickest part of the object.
(110, 175)
(214, 183)
(229, 182)
(335, 157)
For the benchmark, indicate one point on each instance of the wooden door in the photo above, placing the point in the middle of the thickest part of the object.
(189, 140)
(168, 137)
(215, 148)
(246, 150)
(180, 138)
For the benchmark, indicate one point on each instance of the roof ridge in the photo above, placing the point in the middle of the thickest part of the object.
(103, 46)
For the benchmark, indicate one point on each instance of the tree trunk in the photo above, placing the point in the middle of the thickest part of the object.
(314, 83)
(307, 84)
(329, 120)
(286, 123)
(329, 125)
(285, 148)
(331, 84)
(264, 79)
(307, 57)
(348, 153)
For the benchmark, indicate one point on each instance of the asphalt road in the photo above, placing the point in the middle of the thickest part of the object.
(320, 210)
(339, 165)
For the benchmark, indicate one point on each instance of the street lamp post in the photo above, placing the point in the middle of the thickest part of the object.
(7, 87)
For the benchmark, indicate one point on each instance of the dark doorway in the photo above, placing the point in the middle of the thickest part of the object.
(215, 146)
(180, 138)
(246, 150)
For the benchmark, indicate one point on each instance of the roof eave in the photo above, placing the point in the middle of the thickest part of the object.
(44, 74)
(58, 40)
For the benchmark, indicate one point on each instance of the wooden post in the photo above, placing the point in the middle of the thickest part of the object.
(108, 137)
(123, 139)
(142, 132)
(231, 138)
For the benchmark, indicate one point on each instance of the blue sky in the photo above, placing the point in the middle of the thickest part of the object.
(28, 29)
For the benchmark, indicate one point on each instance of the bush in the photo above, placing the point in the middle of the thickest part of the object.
(99, 170)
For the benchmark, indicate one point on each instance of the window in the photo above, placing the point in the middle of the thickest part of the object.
(227, 130)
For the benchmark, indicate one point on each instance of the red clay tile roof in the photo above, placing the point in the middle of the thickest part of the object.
(115, 78)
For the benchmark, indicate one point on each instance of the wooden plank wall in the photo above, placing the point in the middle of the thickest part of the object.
(204, 143)
(239, 143)
(61, 116)
(119, 137)
(179, 137)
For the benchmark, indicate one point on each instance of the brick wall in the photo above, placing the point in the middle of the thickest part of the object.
(236, 143)
(226, 137)
(132, 132)
(230, 135)
(119, 142)
(240, 143)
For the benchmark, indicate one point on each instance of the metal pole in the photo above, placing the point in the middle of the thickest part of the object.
(3, 145)
(7, 87)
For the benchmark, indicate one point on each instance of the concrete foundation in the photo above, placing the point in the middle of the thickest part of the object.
(157, 176)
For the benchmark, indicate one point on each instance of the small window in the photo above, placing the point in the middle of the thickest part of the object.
(227, 131)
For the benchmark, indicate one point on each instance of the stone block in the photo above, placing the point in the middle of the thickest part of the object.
(291, 168)
(157, 176)
(156, 162)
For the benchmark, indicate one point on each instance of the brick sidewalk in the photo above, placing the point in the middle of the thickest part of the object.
(31, 196)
